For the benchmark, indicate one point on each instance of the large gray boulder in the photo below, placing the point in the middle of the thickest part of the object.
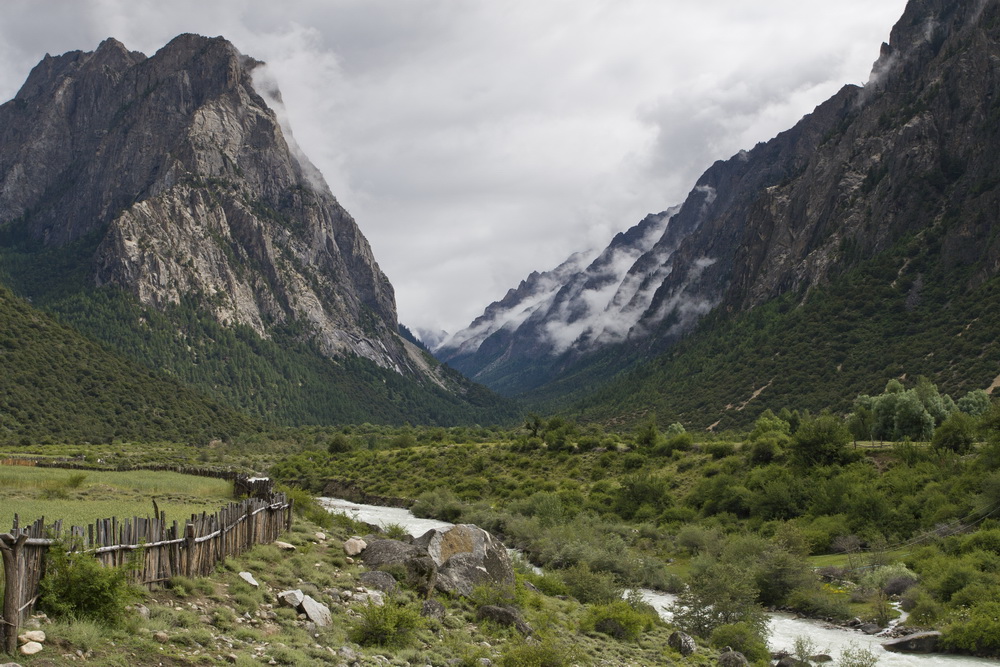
(466, 556)
(409, 561)
(920, 642)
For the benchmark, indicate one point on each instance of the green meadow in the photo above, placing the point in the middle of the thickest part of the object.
(79, 497)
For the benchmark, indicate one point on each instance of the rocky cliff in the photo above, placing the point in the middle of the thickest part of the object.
(177, 170)
(908, 155)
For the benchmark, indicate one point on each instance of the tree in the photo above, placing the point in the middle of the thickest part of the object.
(975, 403)
(957, 433)
(821, 441)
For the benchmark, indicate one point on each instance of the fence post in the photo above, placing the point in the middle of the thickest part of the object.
(190, 544)
(10, 547)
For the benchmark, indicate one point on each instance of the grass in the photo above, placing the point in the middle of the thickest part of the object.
(80, 497)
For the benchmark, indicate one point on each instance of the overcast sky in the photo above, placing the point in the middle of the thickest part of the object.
(475, 141)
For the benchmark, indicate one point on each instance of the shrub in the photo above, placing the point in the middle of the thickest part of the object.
(618, 619)
(76, 585)
(818, 603)
(957, 433)
(391, 624)
(976, 630)
(591, 587)
(743, 638)
(441, 504)
(857, 656)
(544, 653)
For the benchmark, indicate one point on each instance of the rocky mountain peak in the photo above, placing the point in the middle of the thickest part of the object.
(177, 171)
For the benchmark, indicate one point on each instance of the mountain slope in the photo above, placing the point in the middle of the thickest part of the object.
(58, 386)
(907, 156)
(170, 179)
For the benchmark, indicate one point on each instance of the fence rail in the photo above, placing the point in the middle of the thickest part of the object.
(191, 548)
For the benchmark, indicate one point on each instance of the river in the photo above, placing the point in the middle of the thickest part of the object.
(785, 628)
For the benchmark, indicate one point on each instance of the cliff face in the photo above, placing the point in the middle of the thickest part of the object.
(179, 170)
(911, 153)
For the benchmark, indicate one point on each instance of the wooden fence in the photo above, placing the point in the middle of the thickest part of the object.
(191, 549)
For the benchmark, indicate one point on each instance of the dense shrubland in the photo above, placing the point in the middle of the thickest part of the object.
(744, 520)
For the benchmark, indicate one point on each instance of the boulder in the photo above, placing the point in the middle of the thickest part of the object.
(284, 546)
(354, 546)
(732, 658)
(413, 562)
(682, 643)
(870, 628)
(466, 555)
(432, 609)
(379, 580)
(31, 648)
(31, 636)
(247, 577)
(504, 616)
(317, 612)
(920, 642)
(374, 598)
(291, 598)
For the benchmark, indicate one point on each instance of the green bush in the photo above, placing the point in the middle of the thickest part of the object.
(391, 624)
(591, 587)
(618, 619)
(544, 653)
(743, 638)
(76, 585)
(441, 504)
(976, 630)
(818, 603)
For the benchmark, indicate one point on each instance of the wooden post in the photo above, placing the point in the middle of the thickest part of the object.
(189, 545)
(13, 562)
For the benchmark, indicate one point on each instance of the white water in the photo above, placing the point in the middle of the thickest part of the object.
(785, 628)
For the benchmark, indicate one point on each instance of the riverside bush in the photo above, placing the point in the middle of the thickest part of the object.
(743, 638)
(618, 619)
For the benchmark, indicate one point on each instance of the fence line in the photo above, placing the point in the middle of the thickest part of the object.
(189, 549)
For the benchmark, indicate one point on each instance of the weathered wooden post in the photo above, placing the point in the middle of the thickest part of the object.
(11, 548)
(189, 544)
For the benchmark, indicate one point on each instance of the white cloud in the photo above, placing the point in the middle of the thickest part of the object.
(476, 142)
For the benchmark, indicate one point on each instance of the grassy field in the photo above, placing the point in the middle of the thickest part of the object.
(78, 497)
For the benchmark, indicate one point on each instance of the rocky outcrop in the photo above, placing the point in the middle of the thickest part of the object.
(453, 560)
(682, 642)
(177, 168)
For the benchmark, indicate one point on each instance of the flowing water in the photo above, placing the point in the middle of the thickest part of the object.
(785, 628)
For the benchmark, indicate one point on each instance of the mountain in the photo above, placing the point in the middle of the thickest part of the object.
(164, 190)
(901, 168)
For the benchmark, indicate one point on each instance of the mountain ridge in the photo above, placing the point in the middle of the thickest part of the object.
(907, 154)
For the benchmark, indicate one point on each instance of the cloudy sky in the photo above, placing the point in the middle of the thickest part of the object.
(477, 140)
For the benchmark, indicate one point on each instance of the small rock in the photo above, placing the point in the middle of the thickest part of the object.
(291, 598)
(32, 636)
(432, 609)
(142, 610)
(161, 637)
(821, 658)
(379, 580)
(354, 546)
(31, 648)
(349, 560)
(370, 597)
(321, 537)
(232, 657)
(284, 546)
(504, 616)
(247, 577)
(317, 612)
(732, 658)
(682, 643)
